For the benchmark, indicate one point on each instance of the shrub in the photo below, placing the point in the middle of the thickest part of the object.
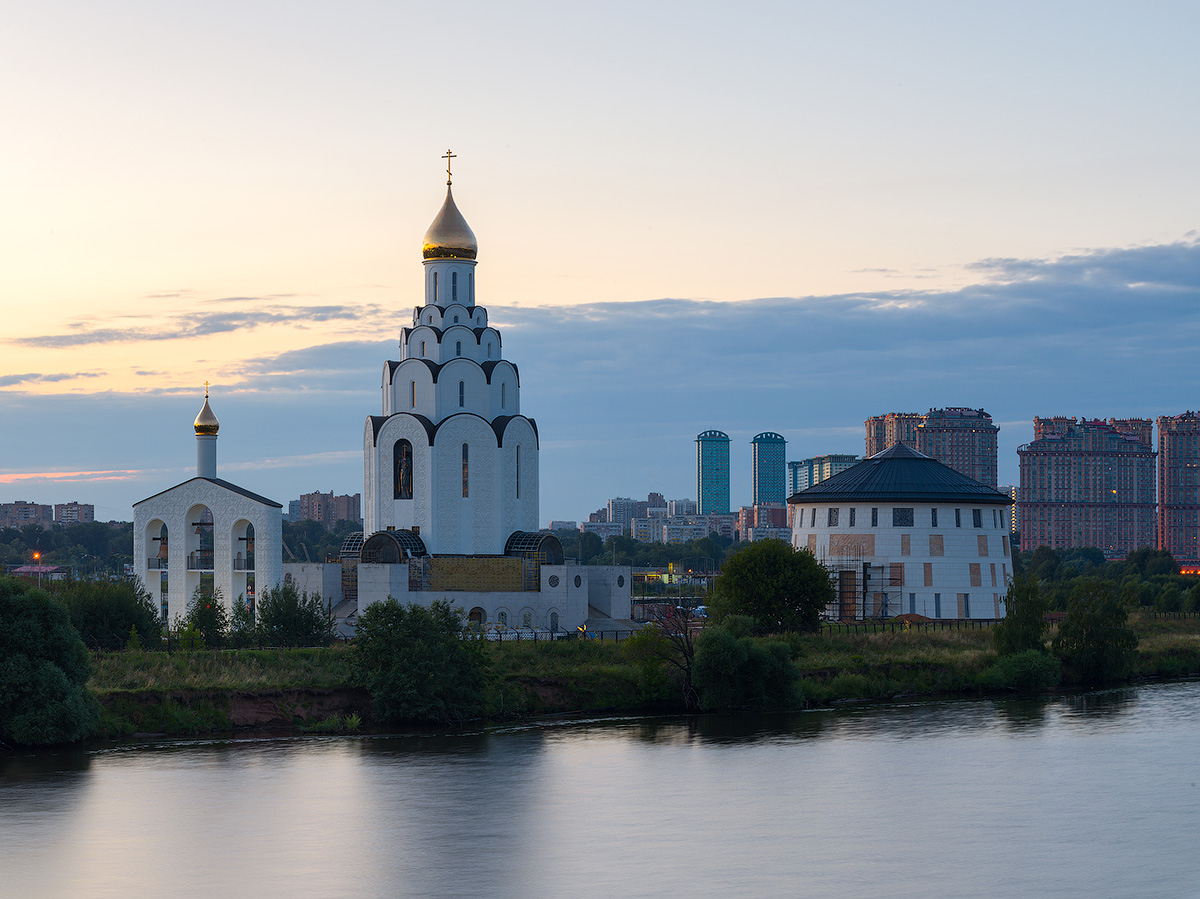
(1024, 624)
(1027, 671)
(736, 672)
(104, 611)
(207, 616)
(43, 669)
(287, 617)
(419, 663)
(1094, 641)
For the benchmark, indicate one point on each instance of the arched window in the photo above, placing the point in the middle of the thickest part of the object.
(527, 618)
(465, 472)
(454, 287)
(422, 349)
(489, 349)
(458, 348)
(502, 619)
(435, 291)
(503, 394)
(462, 394)
(554, 621)
(456, 319)
(412, 400)
(403, 456)
(518, 471)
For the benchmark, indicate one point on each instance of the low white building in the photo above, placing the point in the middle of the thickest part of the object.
(902, 533)
(206, 533)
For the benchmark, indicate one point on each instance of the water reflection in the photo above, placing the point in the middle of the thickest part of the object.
(1096, 794)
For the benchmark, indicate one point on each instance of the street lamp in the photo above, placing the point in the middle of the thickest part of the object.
(37, 558)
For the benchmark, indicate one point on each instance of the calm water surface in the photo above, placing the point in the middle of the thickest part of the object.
(1091, 795)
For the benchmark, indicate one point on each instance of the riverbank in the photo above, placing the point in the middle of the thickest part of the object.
(200, 692)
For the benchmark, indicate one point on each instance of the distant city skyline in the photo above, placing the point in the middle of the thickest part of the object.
(840, 214)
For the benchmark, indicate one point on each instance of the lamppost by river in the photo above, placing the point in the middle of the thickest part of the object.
(37, 558)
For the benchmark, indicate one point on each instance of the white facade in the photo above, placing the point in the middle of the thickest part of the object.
(939, 571)
(206, 531)
(451, 457)
(450, 471)
(893, 546)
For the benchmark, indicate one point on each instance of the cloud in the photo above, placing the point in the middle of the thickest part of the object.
(620, 390)
(37, 378)
(203, 324)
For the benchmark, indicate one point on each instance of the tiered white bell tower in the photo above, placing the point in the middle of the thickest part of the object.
(451, 457)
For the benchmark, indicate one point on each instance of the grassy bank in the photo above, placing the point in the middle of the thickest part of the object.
(194, 692)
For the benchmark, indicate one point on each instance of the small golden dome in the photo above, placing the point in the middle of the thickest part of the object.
(449, 237)
(206, 422)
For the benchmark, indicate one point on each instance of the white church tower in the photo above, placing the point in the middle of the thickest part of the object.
(451, 458)
(207, 534)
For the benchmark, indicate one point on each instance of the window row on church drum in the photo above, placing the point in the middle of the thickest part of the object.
(458, 349)
(402, 460)
(462, 394)
(902, 517)
(454, 288)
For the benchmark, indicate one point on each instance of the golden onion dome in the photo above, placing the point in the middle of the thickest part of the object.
(449, 237)
(206, 422)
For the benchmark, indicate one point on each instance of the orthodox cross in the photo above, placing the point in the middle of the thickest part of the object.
(449, 156)
(206, 389)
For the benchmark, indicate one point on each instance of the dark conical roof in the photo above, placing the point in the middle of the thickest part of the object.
(900, 474)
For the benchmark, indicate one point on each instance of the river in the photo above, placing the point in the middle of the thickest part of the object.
(1087, 795)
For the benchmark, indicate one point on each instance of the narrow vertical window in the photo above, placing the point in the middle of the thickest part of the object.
(403, 462)
(812, 520)
(412, 400)
(933, 518)
(852, 511)
(518, 471)
(458, 348)
(958, 518)
(435, 289)
(503, 391)
(462, 394)
(422, 349)
(875, 517)
(454, 287)
(466, 477)
(471, 287)
(489, 349)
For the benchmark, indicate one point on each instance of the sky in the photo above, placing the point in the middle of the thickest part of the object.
(758, 217)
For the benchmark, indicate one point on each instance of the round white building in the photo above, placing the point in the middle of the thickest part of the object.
(903, 533)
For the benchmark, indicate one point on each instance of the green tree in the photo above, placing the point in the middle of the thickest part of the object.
(419, 664)
(43, 670)
(242, 629)
(775, 585)
(287, 617)
(104, 611)
(1024, 624)
(1094, 641)
(208, 617)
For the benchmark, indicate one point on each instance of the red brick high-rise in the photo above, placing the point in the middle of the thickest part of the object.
(960, 438)
(1088, 483)
(1179, 486)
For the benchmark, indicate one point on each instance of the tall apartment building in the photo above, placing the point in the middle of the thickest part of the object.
(621, 511)
(1087, 483)
(960, 438)
(19, 513)
(712, 473)
(74, 513)
(769, 464)
(326, 508)
(1179, 486)
(888, 430)
(807, 472)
